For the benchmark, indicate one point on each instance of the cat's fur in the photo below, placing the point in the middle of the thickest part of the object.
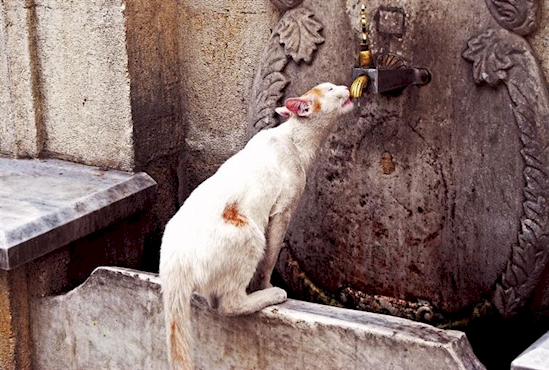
(239, 216)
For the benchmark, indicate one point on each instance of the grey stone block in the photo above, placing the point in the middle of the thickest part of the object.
(115, 321)
(536, 357)
(46, 204)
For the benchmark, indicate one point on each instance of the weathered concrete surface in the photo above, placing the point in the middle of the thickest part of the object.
(15, 352)
(61, 203)
(222, 44)
(115, 321)
(536, 357)
(84, 81)
(19, 129)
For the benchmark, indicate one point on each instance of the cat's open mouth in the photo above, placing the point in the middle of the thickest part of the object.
(347, 103)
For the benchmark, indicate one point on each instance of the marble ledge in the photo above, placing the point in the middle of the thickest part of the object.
(46, 204)
(535, 357)
(122, 308)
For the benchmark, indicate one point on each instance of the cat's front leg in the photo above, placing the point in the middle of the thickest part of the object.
(276, 230)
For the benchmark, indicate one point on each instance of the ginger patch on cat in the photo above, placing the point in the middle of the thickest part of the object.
(232, 215)
(315, 93)
(176, 356)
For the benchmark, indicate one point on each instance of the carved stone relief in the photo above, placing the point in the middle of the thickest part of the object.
(499, 56)
(518, 16)
(295, 37)
(418, 198)
(286, 4)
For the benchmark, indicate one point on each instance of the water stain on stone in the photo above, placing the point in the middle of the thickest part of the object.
(387, 163)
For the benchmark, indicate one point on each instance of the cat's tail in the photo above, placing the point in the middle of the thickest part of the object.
(177, 309)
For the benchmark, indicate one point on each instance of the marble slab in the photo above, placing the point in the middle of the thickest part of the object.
(45, 204)
(536, 357)
(115, 320)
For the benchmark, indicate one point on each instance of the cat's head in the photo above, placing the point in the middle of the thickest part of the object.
(325, 99)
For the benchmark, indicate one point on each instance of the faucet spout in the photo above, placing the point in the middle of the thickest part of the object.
(390, 81)
(358, 86)
(389, 75)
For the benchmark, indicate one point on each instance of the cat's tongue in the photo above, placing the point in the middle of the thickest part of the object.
(347, 102)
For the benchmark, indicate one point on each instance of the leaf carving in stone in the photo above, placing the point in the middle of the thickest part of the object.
(300, 33)
(286, 4)
(501, 56)
(268, 86)
(518, 16)
(492, 57)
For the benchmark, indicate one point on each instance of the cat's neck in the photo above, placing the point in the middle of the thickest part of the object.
(308, 136)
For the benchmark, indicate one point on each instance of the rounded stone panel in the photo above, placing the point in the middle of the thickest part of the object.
(418, 196)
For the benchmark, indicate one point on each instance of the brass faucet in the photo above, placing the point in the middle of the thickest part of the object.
(364, 58)
(390, 75)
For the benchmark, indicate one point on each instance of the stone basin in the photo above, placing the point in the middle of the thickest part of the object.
(115, 320)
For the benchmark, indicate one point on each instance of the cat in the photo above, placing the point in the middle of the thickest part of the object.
(238, 218)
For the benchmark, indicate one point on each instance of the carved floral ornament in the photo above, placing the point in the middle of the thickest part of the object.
(504, 57)
(499, 57)
(492, 57)
(286, 4)
(295, 37)
(517, 16)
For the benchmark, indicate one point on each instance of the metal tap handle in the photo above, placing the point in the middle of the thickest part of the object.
(364, 36)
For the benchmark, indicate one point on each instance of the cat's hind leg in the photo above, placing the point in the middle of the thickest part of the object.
(232, 304)
(242, 252)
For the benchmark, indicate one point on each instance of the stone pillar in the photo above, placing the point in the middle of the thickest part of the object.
(153, 44)
(20, 132)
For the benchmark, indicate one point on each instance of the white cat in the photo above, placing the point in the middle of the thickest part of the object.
(239, 216)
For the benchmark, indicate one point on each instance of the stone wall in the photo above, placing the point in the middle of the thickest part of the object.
(222, 41)
(120, 84)
(446, 218)
(98, 83)
(166, 87)
(424, 188)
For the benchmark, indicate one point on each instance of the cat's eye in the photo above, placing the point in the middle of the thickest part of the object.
(330, 89)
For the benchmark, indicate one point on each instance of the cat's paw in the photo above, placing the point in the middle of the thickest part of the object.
(278, 295)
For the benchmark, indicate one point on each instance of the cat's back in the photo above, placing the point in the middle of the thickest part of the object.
(265, 159)
(276, 144)
(254, 177)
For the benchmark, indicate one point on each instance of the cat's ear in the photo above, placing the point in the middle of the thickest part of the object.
(301, 107)
(283, 112)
